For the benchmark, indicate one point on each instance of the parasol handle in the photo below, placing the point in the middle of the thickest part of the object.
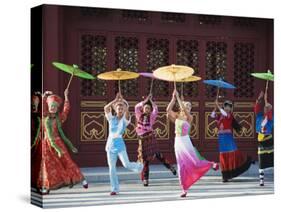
(151, 86)
(119, 86)
(175, 85)
(218, 92)
(182, 96)
(266, 87)
(69, 81)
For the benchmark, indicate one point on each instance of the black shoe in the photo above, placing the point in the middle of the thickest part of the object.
(224, 180)
(44, 191)
(145, 183)
(173, 170)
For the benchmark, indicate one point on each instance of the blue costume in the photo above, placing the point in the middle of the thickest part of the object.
(115, 148)
(264, 128)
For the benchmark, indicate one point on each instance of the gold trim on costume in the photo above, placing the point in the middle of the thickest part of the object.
(247, 122)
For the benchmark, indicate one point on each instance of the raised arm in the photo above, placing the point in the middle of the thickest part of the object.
(154, 112)
(257, 107)
(127, 112)
(138, 109)
(66, 107)
(265, 98)
(222, 111)
(170, 113)
(183, 108)
(107, 108)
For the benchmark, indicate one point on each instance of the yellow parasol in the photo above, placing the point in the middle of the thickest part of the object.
(188, 79)
(173, 73)
(118, 75)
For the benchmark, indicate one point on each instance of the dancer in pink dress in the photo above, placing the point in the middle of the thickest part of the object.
(190, 167)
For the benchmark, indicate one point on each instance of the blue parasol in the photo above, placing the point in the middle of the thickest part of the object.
(219, 84)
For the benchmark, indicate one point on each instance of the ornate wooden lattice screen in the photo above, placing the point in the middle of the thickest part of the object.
(216, 63)
(188, 54)
(93, 60)
(126, 57)
(244, 64)
(157, 56)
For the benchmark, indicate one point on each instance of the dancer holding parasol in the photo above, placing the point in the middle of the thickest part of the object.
(232, 161)
(264, 127)
(115, 145)
(190, 167)
(57, 169)
(146, 113)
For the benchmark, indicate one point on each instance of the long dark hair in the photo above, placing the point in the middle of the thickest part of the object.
(235, 124)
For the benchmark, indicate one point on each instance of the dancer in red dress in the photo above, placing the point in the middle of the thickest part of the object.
(232, 161)
(57, 169)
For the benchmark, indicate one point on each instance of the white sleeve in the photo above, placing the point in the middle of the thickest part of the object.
(264, 122)
(213, 114)
(108, 116)
(223, 112)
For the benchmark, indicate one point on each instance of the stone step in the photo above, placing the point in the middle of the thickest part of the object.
(100, 174)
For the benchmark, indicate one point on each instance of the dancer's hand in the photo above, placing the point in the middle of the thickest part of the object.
(175, 93)
(261, 95)
(66, 92)
(47, 93)
(149, 97)
(59, 153)
(74, 150)
(117, 97)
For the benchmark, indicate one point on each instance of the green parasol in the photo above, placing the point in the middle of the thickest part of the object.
(265, 76)
(268, 76)
(74, 71)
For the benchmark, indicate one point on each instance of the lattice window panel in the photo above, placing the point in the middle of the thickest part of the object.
(188, 54)
(244, 64)
(126, 58)
(135, 15)
(209, 20)
(243, 22)
(216, 62)
(93, 60)
(157, 56)
(173, 17)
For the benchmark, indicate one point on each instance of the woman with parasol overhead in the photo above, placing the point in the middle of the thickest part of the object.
(264, 128)
(232, 161)
(190, 167)
(146, 112)
(57, 169)
(115, 145)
